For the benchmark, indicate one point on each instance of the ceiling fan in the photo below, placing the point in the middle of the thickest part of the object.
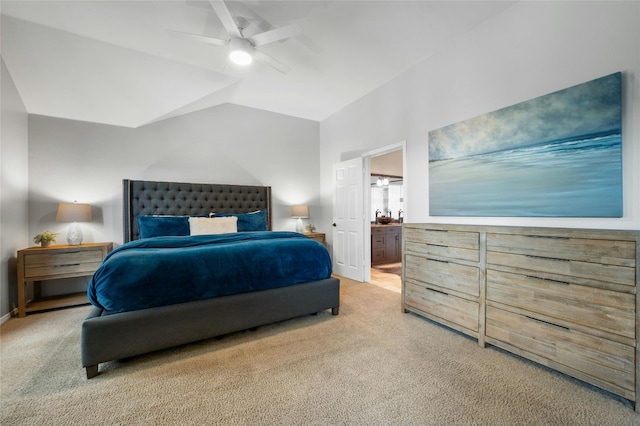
(242, 50)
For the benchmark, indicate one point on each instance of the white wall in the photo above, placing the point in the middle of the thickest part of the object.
(531, 49)
(14, 233)
(71, 160)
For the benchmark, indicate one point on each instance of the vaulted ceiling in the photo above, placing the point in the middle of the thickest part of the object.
(115, 62)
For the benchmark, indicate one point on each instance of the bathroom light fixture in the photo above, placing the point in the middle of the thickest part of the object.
(300, 211)
(382, 181)
(240, 51)
(74, 212)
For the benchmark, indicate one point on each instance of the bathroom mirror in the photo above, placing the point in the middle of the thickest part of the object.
(387, 195)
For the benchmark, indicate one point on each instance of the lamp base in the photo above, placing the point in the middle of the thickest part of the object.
(299, 226)
(74, 236)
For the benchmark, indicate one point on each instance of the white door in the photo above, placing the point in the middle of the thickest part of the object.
(348, 219)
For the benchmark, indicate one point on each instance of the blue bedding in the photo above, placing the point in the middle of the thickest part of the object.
(162, 271)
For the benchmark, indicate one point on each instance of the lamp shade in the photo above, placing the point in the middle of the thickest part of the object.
(300, 211)
(73, 212)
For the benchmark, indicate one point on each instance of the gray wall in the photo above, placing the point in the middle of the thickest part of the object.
(531, 49)
(85, 162)
(72, 160)
(14, 228)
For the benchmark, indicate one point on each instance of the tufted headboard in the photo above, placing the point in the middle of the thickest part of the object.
(143, 197)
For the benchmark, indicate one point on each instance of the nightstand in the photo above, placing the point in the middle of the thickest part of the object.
(37, 264)
(316, 236)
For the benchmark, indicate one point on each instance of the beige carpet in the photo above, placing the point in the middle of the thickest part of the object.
(372, 364)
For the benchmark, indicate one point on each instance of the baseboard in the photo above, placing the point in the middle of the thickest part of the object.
(6, 317)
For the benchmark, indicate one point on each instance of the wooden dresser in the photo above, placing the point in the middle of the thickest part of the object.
(37, 264)
(565, 298)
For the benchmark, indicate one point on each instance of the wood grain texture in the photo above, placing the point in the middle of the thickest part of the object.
(565, 298)
(610, 362)
(56, 262)
(442, 277)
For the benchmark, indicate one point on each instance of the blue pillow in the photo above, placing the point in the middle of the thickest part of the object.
(163, 226)
(248, 222)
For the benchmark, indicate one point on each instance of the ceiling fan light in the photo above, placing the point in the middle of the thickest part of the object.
(240, 51)
(240, 57)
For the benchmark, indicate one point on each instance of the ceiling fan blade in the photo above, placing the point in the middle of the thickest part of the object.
(269, 60)
(225, 17)
(200, 38)
(275, 35)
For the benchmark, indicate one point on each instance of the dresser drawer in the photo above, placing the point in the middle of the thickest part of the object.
(604, 362)
(442, 251)
(61, 263)
(443, 237)
(578, 272)
(455, 244)
(588, 307)
(593, 262)
(455, 310)
(602, 251)
(445, 275)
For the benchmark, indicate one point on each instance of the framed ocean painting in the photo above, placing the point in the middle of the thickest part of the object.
(558, 155)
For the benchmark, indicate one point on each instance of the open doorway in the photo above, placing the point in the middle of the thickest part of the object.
(385, 199)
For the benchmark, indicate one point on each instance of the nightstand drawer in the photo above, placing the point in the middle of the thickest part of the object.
(72, 262)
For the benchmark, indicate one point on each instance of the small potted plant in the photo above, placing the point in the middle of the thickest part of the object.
(45, 239)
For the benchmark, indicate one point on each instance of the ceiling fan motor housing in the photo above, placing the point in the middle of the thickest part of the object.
(240, 50)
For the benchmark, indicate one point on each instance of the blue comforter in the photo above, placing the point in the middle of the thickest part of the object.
(168, 270)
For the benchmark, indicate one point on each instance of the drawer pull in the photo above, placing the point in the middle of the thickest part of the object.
(547, 258)
(548, 323)
(434, 245)
(548, 236)
(436, 260)
(66, 265)
(548, 279)
(439, 291)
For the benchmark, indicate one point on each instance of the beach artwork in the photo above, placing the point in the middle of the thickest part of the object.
(558, 155)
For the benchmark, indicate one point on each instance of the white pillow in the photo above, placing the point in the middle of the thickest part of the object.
(213, 225)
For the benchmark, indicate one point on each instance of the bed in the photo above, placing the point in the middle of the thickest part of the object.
(120, 331)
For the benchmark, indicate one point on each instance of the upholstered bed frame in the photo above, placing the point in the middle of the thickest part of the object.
(123, 335)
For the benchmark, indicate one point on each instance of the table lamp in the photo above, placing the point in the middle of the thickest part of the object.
(300, 211)
(74, 212)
